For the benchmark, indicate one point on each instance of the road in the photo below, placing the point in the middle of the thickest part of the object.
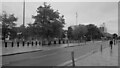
(51, 57)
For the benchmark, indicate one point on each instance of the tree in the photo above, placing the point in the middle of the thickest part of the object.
(114, 36)
(79, 32)
(48, 22)
(69, 33)
(118, 37)
(34, 31)
(22, 32)
(93, 32)
(8, 25)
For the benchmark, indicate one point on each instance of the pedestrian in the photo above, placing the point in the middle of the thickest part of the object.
(111, 43)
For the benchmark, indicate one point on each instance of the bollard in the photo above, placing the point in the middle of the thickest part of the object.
(17, 44)
(12, 44)
(54, 42)
(36, 43)
(59, 42)
(39, 43)
(23, 43)
(5, 44)
(32, 43)
(27, 43)
(73, 61)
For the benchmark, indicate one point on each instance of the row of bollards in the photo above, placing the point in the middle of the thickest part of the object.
(18, 43)
(6, 44)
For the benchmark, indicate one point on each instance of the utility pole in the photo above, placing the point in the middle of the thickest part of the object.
(23, 18)
(24, 13)
(76, 18)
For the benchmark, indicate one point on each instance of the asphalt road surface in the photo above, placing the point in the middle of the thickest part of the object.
(51, 57)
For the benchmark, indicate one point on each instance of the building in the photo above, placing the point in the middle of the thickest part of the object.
(103, 28)
(0, 31)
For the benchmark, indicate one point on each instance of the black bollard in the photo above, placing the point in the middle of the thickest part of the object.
(5, 44)
(59, 42)
(32, 43)
(27, 43)
(36, 43)
(12, 44)
(17, 44)
(39, 42)
(50, 43)
(23, 43)
(54, 42)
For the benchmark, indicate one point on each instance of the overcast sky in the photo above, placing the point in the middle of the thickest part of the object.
(88, 12)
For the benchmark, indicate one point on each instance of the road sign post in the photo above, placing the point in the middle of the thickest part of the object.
(101, 48)
(73, 61)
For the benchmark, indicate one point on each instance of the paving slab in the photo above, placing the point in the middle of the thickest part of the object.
(107, 57)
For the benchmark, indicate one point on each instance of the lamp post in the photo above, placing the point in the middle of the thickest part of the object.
(24, 13)
(66, 36)
(85, 39)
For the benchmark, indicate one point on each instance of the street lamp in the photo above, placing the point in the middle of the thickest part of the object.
(85, 39)
(66, 37)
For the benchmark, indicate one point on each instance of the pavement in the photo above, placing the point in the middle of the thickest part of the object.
(25, 49)
(106, 57)
(18, 50)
